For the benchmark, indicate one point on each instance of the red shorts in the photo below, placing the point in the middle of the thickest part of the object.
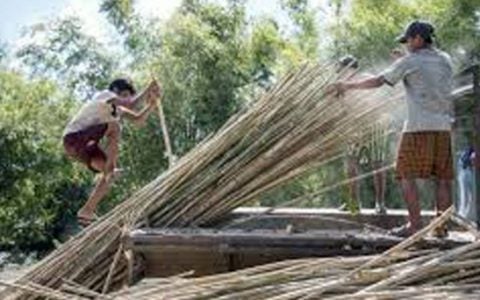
(426, 155)
(83, 145)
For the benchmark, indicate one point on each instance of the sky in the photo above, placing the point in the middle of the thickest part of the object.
(18, 14)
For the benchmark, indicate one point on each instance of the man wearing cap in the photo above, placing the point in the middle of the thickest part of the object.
(95, 120)
(425, 148)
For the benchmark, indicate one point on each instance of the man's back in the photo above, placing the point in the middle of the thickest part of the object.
(427, 77)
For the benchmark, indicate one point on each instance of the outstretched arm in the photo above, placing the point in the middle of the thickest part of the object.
(390, 76)
(367, 83)
(138, 118)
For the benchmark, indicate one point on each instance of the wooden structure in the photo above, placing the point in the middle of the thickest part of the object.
(248, 238)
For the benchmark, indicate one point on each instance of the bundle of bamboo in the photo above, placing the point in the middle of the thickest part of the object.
(293, 128)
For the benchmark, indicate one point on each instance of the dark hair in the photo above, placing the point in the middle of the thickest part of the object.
(422, 28)
(465, 157)
(122, 84)
(348, 61)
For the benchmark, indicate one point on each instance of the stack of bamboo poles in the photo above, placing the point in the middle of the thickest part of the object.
(292, 129)
(412, 275)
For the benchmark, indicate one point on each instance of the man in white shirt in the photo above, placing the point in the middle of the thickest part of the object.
(425, 147)
(97, 119)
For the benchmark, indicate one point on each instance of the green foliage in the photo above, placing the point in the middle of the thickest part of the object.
(307, 29)
(40, 190)
(368, 31)
(118, 12)
(206, 65)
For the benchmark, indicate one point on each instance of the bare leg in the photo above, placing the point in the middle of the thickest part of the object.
(100, 190)
(379, 182)
(353, 187)
(104, 179)
(442, 203)
(410, 195)
(444, 195)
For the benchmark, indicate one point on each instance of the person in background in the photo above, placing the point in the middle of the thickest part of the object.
(466, 206)
(370, 156)
(349, 65)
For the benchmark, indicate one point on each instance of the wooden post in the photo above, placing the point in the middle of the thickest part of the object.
(163, 125)
(476, 136)
(166, 136)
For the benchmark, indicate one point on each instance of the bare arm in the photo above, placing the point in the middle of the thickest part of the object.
(152, 88)
(138, 118)
(367, 83)
(341, 87)
(139, 98)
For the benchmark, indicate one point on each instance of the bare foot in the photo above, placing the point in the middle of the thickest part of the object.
(405, 230)
(84, 221)
(85, 217)
(380, 210)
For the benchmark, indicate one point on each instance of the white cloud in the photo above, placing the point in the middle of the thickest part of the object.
(95, 23)
(162, 9)
(88, 11)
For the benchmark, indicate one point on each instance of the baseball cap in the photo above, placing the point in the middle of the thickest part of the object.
(422, 28)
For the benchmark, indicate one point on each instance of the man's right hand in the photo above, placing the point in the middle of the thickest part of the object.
(154, 89)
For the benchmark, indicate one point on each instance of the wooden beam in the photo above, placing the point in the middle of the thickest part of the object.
(476, 136)
(258, 241)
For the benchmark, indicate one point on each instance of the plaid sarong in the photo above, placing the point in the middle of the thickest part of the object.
(426, 155)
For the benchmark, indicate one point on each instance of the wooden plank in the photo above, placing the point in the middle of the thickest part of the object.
(310, 218)
(207, 251)
(255, 238)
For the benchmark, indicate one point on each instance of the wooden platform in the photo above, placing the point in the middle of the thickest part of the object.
(248, 238)
(246, 218)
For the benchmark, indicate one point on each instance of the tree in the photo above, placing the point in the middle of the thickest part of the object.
(369, 29)
(304, 18)
(119, 13)
(40, 190)
(60, 51)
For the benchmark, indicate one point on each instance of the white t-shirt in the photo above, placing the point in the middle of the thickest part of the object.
(95, 112)
(427, 78)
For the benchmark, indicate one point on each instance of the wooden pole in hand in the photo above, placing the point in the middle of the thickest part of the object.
(166, 136)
